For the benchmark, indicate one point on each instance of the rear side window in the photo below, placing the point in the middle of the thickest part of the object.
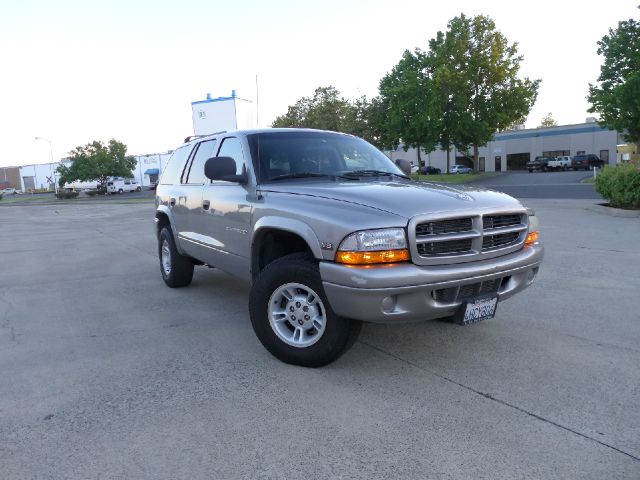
(172, 173)
(205, 152)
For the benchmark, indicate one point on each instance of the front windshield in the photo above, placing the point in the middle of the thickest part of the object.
(308, 153)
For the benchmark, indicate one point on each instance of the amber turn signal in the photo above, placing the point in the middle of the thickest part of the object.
(368, 258)
(532, 238)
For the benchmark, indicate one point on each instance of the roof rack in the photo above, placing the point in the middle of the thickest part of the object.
(193, 137)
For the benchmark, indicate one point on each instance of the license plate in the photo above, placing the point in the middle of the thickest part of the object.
(474, 311)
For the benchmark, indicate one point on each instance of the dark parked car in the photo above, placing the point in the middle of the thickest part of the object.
(429, 170)
(586, 161)
(539, 163)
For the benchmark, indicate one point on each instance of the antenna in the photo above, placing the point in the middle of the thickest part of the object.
(257, 109)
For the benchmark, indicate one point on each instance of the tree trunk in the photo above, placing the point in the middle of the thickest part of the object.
(476, 162)
(448, 155)
(419, 158)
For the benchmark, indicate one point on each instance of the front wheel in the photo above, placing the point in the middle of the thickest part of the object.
(291, 315)
(138, 189)
(176, 269)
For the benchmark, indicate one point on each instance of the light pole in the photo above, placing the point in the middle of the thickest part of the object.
(55, 182)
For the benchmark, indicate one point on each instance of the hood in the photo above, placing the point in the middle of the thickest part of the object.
(404, 198)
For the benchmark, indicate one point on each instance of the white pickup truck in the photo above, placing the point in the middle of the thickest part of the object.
(560, 163)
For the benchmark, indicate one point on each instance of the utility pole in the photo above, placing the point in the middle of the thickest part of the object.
(55, 182)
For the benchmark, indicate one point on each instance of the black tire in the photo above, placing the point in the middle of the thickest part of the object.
(338, 334)
(138, 189)
(180, 268)
(120, 191)
(530, 170)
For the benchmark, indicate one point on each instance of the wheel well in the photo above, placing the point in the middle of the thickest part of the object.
(163, 221)
(270, 245)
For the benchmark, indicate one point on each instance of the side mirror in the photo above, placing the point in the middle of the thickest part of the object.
(223, 168)
(404, 165)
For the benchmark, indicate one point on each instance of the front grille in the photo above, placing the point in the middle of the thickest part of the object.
(466, 292)
(499, 221)
(500, 240)
(459, 239)
(453, 225)
(445, 248)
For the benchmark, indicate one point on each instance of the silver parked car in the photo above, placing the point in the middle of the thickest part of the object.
(330, 233)
(459, 169)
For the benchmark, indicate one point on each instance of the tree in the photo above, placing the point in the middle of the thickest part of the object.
(548, 121)
(489, 95)
(367, 120)
(408, 90)
(327, 110)
(616, 98)
(97, 162)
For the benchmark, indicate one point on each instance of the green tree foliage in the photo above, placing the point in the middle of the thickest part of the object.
(97, 162)
(326, 110)
(411, 116)
(620, 185)
(616, 98)
(488, 95)
(548, 121)
(367, 120)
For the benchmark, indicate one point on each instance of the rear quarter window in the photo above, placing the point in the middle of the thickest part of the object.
(172, 173)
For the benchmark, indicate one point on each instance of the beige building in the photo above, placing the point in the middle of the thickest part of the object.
(513, 149)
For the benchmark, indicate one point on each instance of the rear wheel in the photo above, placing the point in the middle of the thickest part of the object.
(120, 191)
(138, 189)
(176, 269)
(291, 315)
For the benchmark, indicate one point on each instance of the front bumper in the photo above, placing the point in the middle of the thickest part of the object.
(407, 292)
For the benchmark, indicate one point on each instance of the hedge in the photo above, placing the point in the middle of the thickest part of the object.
(66, 195)
(620, 185)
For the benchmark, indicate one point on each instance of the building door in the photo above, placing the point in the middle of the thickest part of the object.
(518, 161)
(498, 160)
(29, 183)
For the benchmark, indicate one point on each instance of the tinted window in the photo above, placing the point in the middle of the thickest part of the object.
(283, 153)
(231, 147)
(172, 173)
(205, 151)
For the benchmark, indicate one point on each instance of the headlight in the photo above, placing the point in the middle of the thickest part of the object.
(374, 246)
(534, 230)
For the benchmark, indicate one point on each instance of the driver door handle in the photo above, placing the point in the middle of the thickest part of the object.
(205, 204)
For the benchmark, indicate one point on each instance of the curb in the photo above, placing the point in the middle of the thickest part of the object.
(614, 212)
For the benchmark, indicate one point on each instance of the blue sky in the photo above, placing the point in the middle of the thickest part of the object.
(75, 71)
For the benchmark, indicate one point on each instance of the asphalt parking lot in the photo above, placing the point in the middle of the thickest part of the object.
(559, 185)
(106, 373)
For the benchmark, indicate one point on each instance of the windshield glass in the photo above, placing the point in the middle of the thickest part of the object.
(294, 154)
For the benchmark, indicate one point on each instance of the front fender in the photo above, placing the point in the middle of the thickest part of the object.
(297, 227)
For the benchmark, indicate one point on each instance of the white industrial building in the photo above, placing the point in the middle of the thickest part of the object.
(209, 116)
(44, 176)
(513, 149)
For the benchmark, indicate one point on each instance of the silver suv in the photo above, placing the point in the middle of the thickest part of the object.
(330, 233)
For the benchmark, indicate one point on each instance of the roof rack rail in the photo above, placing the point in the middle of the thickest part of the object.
(193, 137)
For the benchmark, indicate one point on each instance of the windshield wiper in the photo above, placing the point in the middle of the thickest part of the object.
(374, 173)
(307, 175)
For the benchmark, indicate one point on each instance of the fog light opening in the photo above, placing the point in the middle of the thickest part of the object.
(389, 304)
